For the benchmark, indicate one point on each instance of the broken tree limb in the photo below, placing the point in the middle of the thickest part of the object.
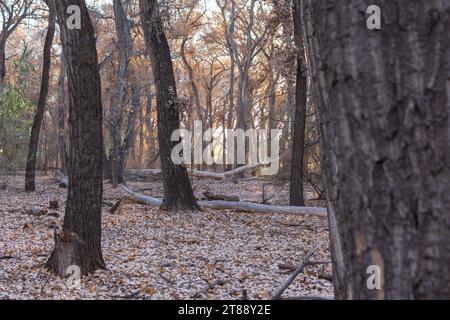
(237, 206)
(305, 263)
(222, 197)
(203, 174)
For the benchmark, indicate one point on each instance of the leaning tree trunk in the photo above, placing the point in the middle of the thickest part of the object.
(298, 143)
(178, 193)
(30, 173)
(383, 102)
(79, 243)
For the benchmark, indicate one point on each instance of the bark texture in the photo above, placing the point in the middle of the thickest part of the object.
(178, 193)
(30, 173)
(383, 104)
(79, 243)
(298, 143)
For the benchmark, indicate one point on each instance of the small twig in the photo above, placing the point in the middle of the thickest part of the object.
(286, 266)
(7, 257)
(130, 296)
(294, 275)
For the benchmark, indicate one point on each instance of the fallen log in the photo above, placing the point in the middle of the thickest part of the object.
(222, 197)
(203, 174)
(236, 206)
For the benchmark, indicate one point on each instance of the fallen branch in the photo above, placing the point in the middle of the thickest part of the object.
(307, 298)
(325, 276)
(221, 197)
(203, 174)
(286, 266)
(135, 295)
(294, 275)
(7, 257)
(237, 206)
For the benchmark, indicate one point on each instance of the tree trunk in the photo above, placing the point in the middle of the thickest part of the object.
(383, 104)
(178, 193)
(298, 143)
(130, 134)
(30, 173)
(2, 68)
(62, 150)
(149, 125)
(123, 31)
(194, 88)
(79, 243)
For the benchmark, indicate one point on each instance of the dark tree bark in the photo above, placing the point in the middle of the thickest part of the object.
(62, 110)
(2, 67)
(383, 104)
(298, 143)
(79, 243)
(30, 173)
(178, 193)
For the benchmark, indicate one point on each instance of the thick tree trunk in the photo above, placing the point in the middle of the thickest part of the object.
(383, 103)
(79, 243)
(30, 173)
(178, 192)
(298, 143)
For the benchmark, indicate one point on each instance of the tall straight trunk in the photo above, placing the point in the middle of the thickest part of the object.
(383, 103)
(298, 141)
(244, 106)
(30, 173)
(141, 137)
(271, 123)
(62, 101)
(123, 31)
(3, 39)
(289, 105)
(178, 193)
(194, 88)
(230, 115)
(79, 243)
(149, 125)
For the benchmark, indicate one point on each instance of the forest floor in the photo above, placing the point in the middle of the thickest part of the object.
(163, 255)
